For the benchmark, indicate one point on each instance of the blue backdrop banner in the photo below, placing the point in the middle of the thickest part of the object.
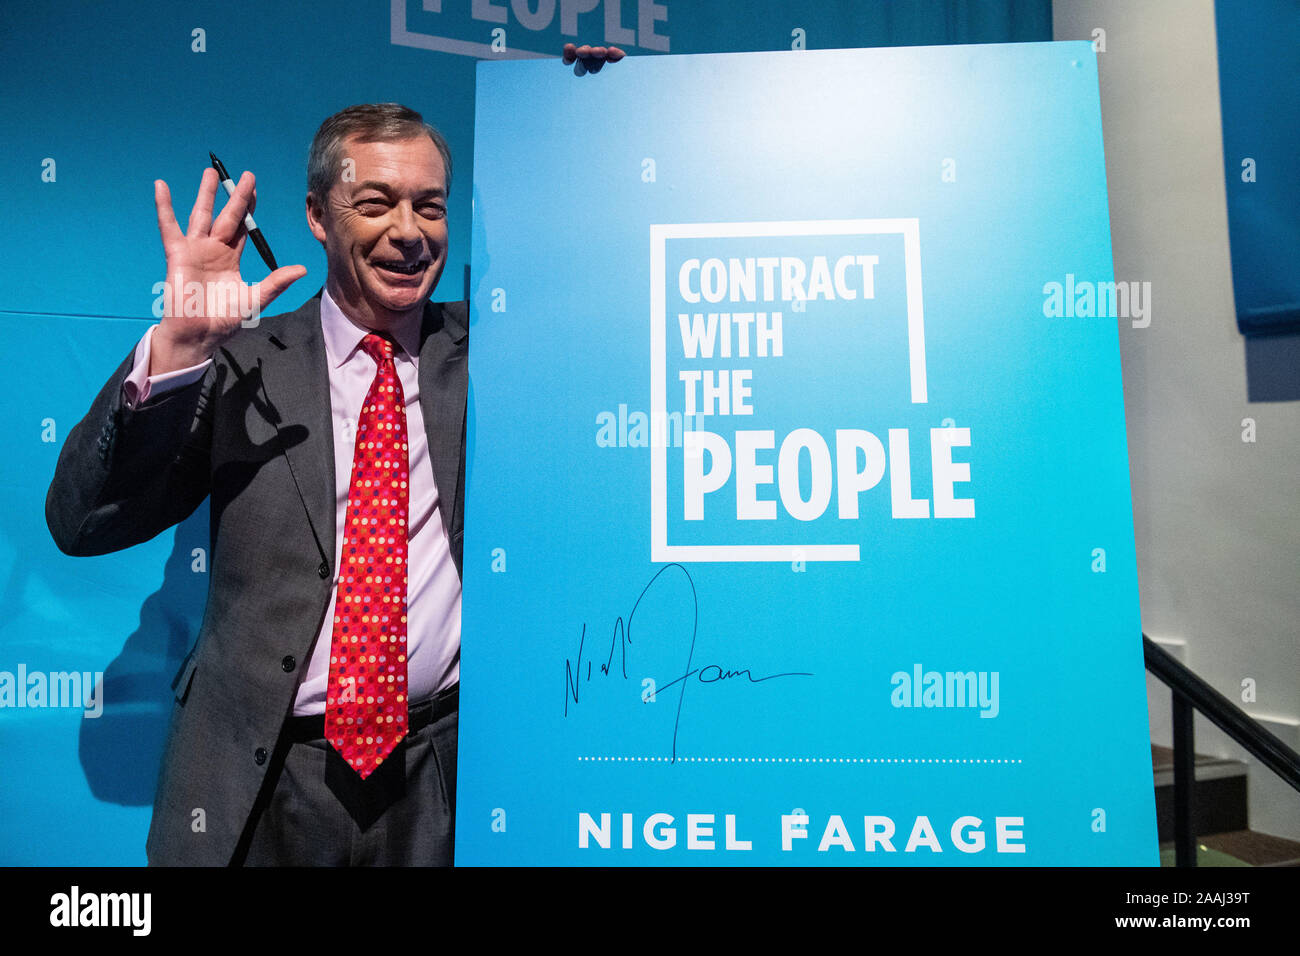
(798, 515)
(99, 100)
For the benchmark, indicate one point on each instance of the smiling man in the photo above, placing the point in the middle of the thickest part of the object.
(315, 717)
(384, 227)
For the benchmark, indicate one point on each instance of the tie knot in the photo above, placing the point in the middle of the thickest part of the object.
(378, 348)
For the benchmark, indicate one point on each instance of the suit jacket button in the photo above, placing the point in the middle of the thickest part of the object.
(259, 756)
(323, 570)
(288, 664)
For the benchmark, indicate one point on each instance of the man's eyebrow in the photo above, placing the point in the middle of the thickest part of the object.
(387, 189)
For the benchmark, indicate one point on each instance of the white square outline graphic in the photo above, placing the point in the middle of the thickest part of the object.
(909, 229)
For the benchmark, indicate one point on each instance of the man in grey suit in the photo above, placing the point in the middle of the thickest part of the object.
(263, 418)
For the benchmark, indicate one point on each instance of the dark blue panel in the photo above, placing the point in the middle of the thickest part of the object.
(1259, 83)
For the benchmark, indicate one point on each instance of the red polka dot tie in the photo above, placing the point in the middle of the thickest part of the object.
(365, 705)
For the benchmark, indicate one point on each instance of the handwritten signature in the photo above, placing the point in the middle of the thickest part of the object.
(622, 638)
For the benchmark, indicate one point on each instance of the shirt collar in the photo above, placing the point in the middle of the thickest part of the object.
(343, 336)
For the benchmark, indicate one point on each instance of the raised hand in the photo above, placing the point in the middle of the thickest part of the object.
(590, 59)
(206, 299)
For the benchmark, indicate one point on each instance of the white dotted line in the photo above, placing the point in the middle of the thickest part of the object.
(934, 760)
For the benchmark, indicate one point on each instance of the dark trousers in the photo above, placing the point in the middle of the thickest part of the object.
(317, 811)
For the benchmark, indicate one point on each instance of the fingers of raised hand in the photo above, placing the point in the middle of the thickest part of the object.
(241, 231)
(201, 214)
(229, 222)
(168, 227)
(279, 280)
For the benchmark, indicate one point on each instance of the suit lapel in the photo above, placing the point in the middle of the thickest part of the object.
(443, 379)
(295, 383)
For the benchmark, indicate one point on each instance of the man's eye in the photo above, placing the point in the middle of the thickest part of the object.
(433, 210)
(372, 207)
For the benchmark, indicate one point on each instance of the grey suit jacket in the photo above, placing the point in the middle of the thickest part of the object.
(256, 435)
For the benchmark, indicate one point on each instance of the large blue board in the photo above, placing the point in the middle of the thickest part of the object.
(798, 514)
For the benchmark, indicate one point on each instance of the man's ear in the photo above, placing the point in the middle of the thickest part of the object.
(315, 217)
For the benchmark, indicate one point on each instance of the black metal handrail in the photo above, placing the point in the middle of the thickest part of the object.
(1191, 692)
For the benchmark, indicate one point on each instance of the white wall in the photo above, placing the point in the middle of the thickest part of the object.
(1217, 519)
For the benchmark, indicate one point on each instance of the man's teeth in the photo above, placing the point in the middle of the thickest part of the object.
(401, 267)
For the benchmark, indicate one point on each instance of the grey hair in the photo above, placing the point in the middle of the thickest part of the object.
(367, 123)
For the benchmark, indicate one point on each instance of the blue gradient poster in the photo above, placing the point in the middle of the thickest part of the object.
(798, 517)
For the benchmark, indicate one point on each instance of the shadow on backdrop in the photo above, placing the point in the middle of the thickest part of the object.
(121, 749)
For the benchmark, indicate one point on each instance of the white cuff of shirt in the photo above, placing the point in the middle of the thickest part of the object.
(140, 386)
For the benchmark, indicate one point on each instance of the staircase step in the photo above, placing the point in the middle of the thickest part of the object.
(1218, 794)
(1239, 848)
(1207, 767)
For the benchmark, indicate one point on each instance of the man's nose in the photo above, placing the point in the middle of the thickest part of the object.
(405, 226)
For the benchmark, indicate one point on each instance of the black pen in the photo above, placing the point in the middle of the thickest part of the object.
(253, 232)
